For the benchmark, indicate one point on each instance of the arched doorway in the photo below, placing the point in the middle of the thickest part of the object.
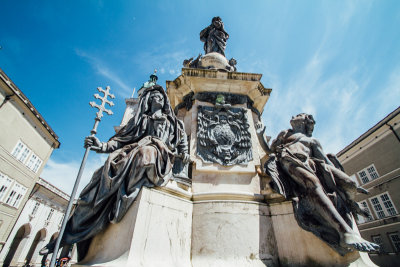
(44, 258)
(15, 248)
(33, 251)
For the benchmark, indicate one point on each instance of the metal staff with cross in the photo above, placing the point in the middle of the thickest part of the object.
(99, 115)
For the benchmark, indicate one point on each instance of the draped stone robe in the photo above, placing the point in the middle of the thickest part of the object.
(141, 154)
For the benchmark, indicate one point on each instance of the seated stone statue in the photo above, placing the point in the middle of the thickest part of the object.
(142, 153)
(322, 193)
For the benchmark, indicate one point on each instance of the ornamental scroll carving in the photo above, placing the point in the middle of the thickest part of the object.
(223, 135)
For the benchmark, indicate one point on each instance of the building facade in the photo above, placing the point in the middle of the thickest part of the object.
(373, 161)
(26, 143)
(38, 223)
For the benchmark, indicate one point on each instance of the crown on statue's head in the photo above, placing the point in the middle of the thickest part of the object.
(152, 81)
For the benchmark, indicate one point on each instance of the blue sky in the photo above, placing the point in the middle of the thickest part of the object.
(338, 60)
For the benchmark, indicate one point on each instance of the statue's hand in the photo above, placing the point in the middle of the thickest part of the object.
(93, 142)
(260, 128)
(185, 158)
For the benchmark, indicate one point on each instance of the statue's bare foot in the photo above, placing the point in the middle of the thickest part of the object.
(362, 190)
(355, 241)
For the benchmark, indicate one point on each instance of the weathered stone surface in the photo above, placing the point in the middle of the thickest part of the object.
(232, 233)
(322, 193)
(155, 232)
(203, 80)
(211, 97)
(297, 247)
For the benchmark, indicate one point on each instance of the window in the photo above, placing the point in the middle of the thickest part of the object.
(388, 204)
(37, 165)
(364, 206)
(377, 239)
(394, 237)
(368, 174)
(31, 161)
(50, 214)
(18, 149)
(34, 162)
(383, 205)
(16, 195)
(35, 208)
(5, 183)
(372, 172)
(11, 197)
(20, 195)
(363, 177)
(60, 223)
(21, 151)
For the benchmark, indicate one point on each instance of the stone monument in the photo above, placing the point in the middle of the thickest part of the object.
(191, 180)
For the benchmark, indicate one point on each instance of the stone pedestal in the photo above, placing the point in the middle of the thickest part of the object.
(232, 233)
(297, 247)
(156, 231)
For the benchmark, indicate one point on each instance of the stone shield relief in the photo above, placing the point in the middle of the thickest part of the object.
(223, 135)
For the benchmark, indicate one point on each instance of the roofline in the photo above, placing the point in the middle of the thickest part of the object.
(29, 105)
(370, 131)
(41, 180)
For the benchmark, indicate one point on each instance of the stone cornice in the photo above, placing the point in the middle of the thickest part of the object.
(206, 80)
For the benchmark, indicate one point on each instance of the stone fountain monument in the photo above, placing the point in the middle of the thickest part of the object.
(201, 185)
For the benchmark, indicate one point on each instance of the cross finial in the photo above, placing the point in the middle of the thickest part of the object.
(104, 101)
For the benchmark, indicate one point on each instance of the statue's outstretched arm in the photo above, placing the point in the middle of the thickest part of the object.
(262, 139)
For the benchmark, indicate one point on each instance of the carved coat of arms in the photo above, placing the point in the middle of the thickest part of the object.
(223, 135)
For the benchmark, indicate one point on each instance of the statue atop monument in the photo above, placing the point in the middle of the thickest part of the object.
(322, 193)
(214, 37)
(141, 154)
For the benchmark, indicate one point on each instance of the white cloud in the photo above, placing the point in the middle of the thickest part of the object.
(63, 174)
(164, 58)
(333, 97)
(100, 67)
(351, 7)
(389, 94)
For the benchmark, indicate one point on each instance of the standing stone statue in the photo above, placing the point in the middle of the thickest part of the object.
(214, 37)
(322, 193)
(142, 153)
